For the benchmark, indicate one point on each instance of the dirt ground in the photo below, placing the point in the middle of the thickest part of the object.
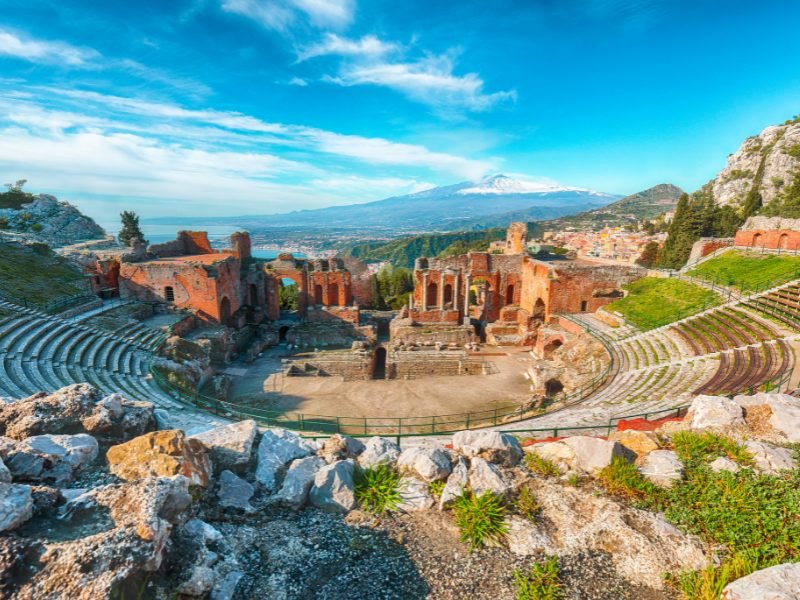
(262, 381)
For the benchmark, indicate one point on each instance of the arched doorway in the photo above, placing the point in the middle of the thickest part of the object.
(318, 295)
(553, 387)
(783, 241)
(757, 239)
(448, 294)
(282, 332)
(510, 294)
(379, 370)
(225, 310)
(253, 295)
(433, 295)
(548, 350)
(539, 310)
(169, 293)
(333, 295)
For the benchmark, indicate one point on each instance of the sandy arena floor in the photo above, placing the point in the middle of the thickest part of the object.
(262, 380)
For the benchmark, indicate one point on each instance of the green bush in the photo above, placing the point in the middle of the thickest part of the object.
(541, 582)
(481, 519)
(37, 227)
(377, 488)
(695, 449)
(526, 504)
(793, 150)
(623, 480)
(540, 466)
(436, 488)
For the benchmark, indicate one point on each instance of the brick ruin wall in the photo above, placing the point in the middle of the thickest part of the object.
(421, 362)
(350, 366)
(404, 330)
(705, 246)
(774, 240)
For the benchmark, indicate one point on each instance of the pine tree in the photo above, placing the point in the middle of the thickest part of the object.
(130, 228)
(649, 255)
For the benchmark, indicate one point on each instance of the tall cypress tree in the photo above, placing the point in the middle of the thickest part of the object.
(130, 228)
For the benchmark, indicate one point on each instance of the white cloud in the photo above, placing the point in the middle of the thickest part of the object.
(367, 46)
(429, 80)
(281, 15)
(46, 52)
(298, 82)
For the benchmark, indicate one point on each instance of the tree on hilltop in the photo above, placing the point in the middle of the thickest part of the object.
(130, 228)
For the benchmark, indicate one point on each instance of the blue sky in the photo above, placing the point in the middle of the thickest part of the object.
(220, 107)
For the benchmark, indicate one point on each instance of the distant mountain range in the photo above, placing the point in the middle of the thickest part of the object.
(493, 201)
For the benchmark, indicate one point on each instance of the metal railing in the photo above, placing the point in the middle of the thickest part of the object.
(388, 426)
(52, 307)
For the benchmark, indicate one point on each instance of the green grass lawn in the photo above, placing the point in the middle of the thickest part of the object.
(652, 301)
(35, 273)
(748, 271)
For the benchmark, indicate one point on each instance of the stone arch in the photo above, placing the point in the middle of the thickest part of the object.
(169, 293)
(333, 294)
(783, 241)
(510, 293)
(225, 310)
(757, 239)
(318, 294)
(253, 289)
(433, 294)
(448, 293)
(553, 387)
(551, 347)
(539, 310)
(282, 332)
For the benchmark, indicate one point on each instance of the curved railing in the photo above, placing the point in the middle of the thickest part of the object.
(389, 426)
(48, 307)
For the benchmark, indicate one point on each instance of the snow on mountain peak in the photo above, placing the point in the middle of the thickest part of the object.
(500, 184)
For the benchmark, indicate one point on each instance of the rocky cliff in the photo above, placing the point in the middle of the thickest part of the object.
(767, 162)
(46, 219)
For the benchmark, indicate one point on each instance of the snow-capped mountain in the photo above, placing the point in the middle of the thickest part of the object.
(493, 201)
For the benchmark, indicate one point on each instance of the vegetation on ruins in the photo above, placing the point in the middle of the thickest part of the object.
(34, 273)
(747, 271)
(752, 516)
(130, 228)
(526, 503)
(391, 287)
(481, 519)
(377, 488)
(653, 301)
(787, 203)
(15, 197)
(540, 465)
(541, 582)
(288, 296)
(697, 216)
(649, 256)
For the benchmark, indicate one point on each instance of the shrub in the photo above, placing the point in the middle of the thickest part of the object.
(481, 519)
(37, 227)
(574, 479)
(708, 583)
(526, 504)
(436, 488)
(623, 479)
(697, 448)
(541, 583)
(377, 488)
(793, 150)
(540, 466)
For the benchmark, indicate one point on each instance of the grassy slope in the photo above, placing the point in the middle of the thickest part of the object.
(35, 273)
(653, 302)
(749, 271)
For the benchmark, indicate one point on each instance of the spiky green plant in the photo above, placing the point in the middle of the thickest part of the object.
(541, 582)
(436, 488)
(377, 488)
(526, 504)
(540, 466)
(481, 519)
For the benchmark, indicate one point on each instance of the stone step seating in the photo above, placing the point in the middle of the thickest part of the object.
(590, 321)
(43, 353)
(782, 304)
(744, 369)
(722, 330)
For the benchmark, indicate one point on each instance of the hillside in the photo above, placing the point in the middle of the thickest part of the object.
(43, 218)
(402, 252)
(644, 205)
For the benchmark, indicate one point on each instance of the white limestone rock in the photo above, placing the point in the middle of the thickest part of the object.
(428, 460)
(340, 447)
(16, 505)
(379, 450)
(230, 446)
(200, 530)
(562, 456)
(226, 587)
(486, 477)
(278, 447)
(234, 492)
(414, 495)
(333, 488)
(298, 481)
(200, 582)
(52, 458)
(162, 419)
(494, 446)
(769, 459)
(525, 538)
(785, 418)
(594, 454)
(714, 411)
(456, 484)
(723, 464)
(781, 582)
(662, 467)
